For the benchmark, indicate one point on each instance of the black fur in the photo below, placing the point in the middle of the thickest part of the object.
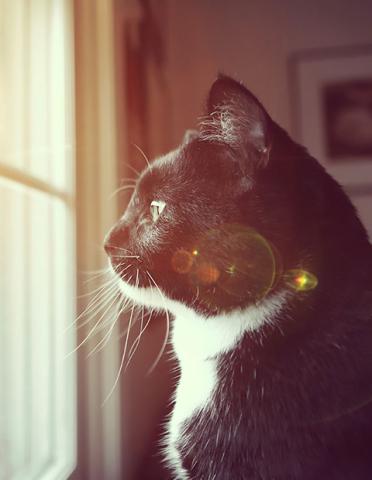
(294, 400)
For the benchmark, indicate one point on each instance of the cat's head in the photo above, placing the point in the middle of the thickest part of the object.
(232, 215)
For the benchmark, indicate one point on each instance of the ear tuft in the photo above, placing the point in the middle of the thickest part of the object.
(236, 118)
(189, 136)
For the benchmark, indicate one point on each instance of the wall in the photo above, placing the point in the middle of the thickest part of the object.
(252, 40)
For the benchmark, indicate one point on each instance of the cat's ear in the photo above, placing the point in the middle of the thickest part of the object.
(189, 136)
(236, 118)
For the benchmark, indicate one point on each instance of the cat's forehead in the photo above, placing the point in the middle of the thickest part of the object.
(195, 168)
(161, 170)
(167, 161)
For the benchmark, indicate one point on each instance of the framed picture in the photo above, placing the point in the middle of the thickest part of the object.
(332, 116)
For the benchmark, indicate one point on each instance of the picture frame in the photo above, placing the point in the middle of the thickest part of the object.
(332, 116)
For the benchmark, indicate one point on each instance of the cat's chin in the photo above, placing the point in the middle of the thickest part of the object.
(147, 296)
(152, 296)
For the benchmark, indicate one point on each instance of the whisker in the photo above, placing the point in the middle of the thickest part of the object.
(122, 360)
(118, 248)
(98, 300)
(126, 305)
(108, 334)
(95, 325)
(122, 189)
(125, 268)
(130, 320)
(101, 287)
(124, 332)
(167, 326)
(94, 276)
(143, 154)
(128, 179)
(125, 256)
(133, 169)
(136, 343)
(99, 271)
(96, 304)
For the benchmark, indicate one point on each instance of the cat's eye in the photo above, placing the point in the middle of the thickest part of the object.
(156, 208)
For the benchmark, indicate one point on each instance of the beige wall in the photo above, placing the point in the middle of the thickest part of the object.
(252, 40)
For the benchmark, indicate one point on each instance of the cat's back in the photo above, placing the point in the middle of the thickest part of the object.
(293, 407)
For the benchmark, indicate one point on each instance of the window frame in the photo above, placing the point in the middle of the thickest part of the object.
(100, 442)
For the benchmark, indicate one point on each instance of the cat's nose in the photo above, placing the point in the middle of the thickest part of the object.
(115, 241)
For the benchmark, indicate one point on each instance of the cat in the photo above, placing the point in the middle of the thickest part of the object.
(265, 268)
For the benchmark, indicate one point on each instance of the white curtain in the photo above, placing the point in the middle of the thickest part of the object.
(37, 240)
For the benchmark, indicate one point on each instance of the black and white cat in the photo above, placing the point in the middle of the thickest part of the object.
(262, 262)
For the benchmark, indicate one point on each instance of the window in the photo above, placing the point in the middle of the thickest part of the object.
(37, 240)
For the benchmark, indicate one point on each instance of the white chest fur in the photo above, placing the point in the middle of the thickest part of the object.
(197, 343)
(194, 392)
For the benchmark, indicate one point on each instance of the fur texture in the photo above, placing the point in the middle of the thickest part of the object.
(266, 269)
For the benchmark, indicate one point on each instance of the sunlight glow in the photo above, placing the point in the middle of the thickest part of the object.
(301, 280)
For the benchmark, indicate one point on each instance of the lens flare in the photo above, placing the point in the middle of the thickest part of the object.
(247, 260)
(231, 269)
(301, 280)
(182, 261)
(235, 260)
(207, 273)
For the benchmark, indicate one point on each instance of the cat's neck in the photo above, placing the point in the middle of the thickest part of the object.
(197, 338)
